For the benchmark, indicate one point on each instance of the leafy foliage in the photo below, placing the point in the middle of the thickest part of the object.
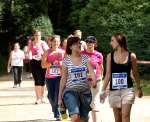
(77, 5)
(43, 24)
(103, 18)
(100, 18)
(19, 16)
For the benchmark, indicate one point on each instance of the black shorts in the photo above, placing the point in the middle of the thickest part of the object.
(38, 73)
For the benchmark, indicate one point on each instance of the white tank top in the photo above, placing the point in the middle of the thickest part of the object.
(17, 58)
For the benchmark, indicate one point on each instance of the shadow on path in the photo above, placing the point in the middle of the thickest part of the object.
(14, 104)
(38, 120)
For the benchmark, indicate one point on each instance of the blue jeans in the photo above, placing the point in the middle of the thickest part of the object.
(17, 73)
(53, 91)
(78, 103)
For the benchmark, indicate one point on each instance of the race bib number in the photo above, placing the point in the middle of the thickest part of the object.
(36, 57)
(54, 71)
(119, 80)
(78, 74)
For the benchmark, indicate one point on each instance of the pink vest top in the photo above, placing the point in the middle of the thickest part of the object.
(55, 59)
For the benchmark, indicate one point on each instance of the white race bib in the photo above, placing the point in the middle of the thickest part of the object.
(94, 70)
(119, 80)
(36, 57)
(54, 71)
(78, 74)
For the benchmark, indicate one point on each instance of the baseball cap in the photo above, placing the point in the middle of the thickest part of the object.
(91, 39)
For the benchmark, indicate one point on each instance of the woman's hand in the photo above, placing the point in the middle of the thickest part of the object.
(136, 75)
(8, 68)
(93, 84)
(59, 101)
(139, 93)
(92, 75)
(102, 96)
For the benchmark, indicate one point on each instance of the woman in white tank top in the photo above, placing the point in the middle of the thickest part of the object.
(16, 62)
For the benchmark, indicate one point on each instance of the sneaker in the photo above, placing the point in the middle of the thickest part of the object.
(42, 100)
(19, 85)
(37, 101)
(31, 76)
(15, 86)
(58, 119)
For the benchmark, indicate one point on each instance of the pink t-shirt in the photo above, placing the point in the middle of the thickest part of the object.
(55, 59)
(96, 59)
(37, 51)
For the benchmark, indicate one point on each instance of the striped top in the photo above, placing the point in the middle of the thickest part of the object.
(77, 75)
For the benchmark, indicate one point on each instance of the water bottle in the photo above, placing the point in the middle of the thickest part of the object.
(62, 112)
(9, 69)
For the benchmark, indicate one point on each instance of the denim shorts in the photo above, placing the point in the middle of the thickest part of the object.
(78, 103)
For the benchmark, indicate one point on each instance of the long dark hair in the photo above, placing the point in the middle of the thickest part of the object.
(70, 42)
(121, 39)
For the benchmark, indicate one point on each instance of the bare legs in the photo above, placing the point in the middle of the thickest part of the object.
(126, 110)
(76, 118)
(39, 90)
(95, 116)
(122, 114)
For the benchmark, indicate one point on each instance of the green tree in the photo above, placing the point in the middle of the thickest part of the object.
(76, 7)
(43, 24)
(19, 16)
(103, 18)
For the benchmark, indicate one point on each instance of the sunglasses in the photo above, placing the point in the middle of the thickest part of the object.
(90, 41)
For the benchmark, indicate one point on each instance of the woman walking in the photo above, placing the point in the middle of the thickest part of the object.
(120, 63)
(16, 62)
(37, 47)
(96, 60)
(74, 86)
(52, 60)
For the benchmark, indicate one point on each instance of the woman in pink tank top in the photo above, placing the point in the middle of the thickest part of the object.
(52, 61)
(96, 60)
(37, 47)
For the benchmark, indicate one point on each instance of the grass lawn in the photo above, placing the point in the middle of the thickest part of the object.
(146, 86)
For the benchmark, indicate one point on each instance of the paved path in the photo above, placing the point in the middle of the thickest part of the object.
(17, 105)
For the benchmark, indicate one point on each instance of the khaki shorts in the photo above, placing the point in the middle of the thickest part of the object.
(95, 104)
(122, 96)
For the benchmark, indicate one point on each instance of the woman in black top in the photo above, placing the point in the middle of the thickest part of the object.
(120, 63)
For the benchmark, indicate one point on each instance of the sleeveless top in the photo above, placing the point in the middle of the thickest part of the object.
(77, 75)
(55, 60)
(120, 74)
(37, 51)
(17, 58)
